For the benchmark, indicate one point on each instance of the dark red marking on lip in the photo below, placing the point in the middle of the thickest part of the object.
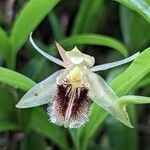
(80, 108)
(62, 99)
(81, 103)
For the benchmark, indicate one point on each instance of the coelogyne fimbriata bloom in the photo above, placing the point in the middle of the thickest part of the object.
(69, 92)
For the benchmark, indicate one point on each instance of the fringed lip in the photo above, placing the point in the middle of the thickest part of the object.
(70, 106)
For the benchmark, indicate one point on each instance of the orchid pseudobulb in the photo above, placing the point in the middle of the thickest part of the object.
(69, 92)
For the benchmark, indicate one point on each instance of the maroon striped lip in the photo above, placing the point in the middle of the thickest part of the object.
(70, 106)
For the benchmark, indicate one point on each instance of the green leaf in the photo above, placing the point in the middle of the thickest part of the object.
(30, 16)
(144, 82)
(134, 73)
(114, 127)
(133, 99)
(96, 39)
(5, 47)
(121, 85)
(4, 42)
(134, 37)
(56, 27)
(33, 67)
(7, 125)
(86, 23)
(125, 136)
(15, 79)
(8, 115)
(34, 141)
(140, 6)
(81, 15)
(41, 124)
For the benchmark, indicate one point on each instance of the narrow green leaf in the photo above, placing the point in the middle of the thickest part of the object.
(33, 67)
(34, 140)
(140, 6)
(120, 136)
(134, 73)
(134, 37)
(40, 123)
(5, 47)
(114, 127)
(81, 15)
(121, 85)
(30, 16)
(144, 82)
(133, 99)
(94, 14)
(56, 27)
(86, 23)
(15, 79)
(8, 114)
(4, 43)
(96, 39)
(7, 125)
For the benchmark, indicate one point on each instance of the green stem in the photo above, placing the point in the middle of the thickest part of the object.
(73, 133)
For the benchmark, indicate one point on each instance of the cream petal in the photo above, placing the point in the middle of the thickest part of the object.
(41, 93)
(105, 97)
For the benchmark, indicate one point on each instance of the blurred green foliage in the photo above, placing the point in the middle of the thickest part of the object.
(91, 25)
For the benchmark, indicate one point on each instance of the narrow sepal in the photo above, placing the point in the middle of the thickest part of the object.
(115, 64)
(51, 58)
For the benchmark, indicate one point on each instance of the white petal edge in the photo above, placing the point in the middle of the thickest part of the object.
(115, 64)
(41, 93)
(105, 97)
(51, 58)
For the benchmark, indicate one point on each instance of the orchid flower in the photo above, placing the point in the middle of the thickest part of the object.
(69, 92)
